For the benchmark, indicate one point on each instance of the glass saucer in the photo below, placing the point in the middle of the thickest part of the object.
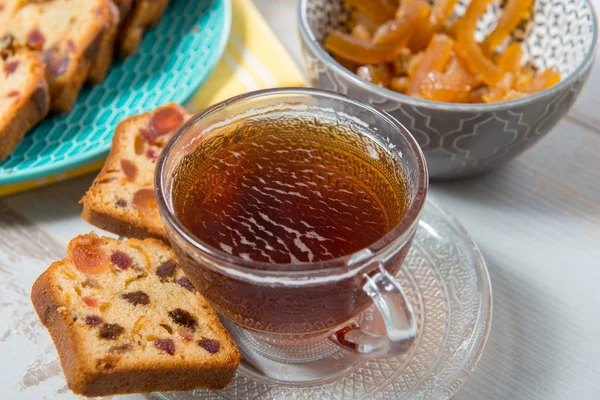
(447, 282)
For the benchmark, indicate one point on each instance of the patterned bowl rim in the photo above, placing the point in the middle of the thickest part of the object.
(308, 38)
(82, 159)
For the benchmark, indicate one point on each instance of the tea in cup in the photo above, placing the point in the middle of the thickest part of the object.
(291, 210)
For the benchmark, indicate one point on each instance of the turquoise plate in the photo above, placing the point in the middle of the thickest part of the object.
(174, 59)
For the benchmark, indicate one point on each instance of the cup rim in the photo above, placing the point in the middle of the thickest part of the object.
(328, 267)
(307, 36)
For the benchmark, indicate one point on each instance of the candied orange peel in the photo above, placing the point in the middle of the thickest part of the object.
(434, 59)
(515, 11)
(422, 50)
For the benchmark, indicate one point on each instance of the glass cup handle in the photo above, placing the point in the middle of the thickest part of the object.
(396, 312)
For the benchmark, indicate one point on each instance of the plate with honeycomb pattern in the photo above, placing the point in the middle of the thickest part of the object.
(173, 60)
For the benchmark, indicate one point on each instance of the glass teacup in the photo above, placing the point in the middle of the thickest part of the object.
(288, 305)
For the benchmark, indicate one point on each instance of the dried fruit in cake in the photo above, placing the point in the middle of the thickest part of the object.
(120, 327)
(122, 199)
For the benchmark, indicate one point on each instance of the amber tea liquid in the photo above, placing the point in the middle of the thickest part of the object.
(289, 190)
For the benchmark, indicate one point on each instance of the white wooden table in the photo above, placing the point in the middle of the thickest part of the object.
(536, 220)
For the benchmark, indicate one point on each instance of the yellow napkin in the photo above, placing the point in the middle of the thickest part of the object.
(253, 59)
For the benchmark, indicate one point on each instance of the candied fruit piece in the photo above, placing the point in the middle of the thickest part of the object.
(476, 95)
(470, 52)
(87, 255)
(185, 282)
(503, 87)
(468, 21)
(145, 202)
(400, 84)
(151, 154)
(184, 318)
(166, 328)
(90, 301)
(166, 345)
(11, 66)
(121, 203)
(451, 86)
(397, 32)
(360, 31)
(401, 62)
(111, 331)
(542, 81)
(441, 10)
(140, 324)
(166, 121)
(166, 270)
(377, 11)
(524, 78)
(138, 145)
(377, 74)
(413, 64)
(35, 39)
(129, 169)
(13, 93)
(162, 122)
(210, 345)
(137, 298)
(93, 320)
(121, 259)
(357, 50)
(434, 58)
(185, 335)
(510, 60)
(359, 18)
(514, 12)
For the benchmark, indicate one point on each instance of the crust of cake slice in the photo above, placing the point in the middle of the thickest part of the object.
(125, 7)
(65, 88)
(108, 221)
(25, 99)
(139, 366)
(110, 203)
(104, 59)
(144, 15)
(68, 35)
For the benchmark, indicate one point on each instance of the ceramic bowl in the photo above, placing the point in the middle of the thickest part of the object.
(461, 140)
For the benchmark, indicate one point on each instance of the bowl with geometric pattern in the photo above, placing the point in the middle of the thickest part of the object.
(462, 140)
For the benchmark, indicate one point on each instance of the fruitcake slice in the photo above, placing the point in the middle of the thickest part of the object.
(144, 15)
(67, 33)
(125, 319)
(121, 199)
(103, 60)
(24, 98)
